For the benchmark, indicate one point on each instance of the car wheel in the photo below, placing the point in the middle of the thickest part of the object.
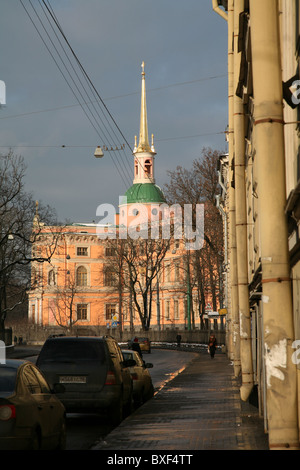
(128, 407)
(139, 400)
(116, 413)
(62, 437)
(149, 394)
(36, 440)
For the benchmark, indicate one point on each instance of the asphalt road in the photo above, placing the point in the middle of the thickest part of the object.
(84, 430)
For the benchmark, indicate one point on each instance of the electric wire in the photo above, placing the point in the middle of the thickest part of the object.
(87, 104)
(121, 161)
(86, 75)
(167, 139)
(91, 85)
(112, 147)
(73, 87)
(125, 95)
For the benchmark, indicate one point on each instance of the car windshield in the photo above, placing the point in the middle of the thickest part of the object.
(72, 351)
(7, 379)
(127, 355)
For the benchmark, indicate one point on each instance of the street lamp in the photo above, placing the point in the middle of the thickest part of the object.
(98, 152)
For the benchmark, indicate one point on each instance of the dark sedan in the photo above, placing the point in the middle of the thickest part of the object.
(143, 342)
(31, 416)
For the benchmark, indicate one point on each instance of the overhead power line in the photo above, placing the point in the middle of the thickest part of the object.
(125, 95)
(80, 84)
(167, 139)
(88, 98)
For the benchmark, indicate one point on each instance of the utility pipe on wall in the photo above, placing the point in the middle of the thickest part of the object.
(241, 220)
(235, 333)
(218, 10)
(270, 160)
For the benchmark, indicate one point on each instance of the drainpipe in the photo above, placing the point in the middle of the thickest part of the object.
(235, 327)
(224, 190)
(218, 10)
(241, 221)
(278, 331)
(224, 217)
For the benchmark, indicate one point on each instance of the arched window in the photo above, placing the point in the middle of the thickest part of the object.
(136, 167)
(51, 278)
(81, 276)
(33, 277)
(148, 167)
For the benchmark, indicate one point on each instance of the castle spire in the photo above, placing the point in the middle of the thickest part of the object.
(143, 137)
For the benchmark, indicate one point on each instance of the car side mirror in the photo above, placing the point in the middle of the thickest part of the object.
(148, 365)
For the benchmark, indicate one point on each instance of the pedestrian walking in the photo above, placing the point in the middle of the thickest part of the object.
(136, 347)
(178, 339)
(212, 345)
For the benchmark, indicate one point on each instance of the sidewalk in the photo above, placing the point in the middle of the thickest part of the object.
(200, 409)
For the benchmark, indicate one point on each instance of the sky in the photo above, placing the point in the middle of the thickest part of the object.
(53, 121)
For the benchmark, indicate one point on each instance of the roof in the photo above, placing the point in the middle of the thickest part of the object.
(144, 193)
(14, 363)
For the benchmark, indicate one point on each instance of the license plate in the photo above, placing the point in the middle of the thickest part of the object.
(72, 379)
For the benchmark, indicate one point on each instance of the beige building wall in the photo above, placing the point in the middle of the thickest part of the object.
(270, 311)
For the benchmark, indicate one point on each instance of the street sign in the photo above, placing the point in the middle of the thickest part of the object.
(114, 324)
(222, 311)
(2, 353)
(2, 93)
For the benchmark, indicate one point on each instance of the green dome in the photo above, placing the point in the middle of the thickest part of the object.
(144, 192)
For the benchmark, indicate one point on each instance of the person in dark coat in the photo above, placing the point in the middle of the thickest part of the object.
(136, 347)
(212, 345)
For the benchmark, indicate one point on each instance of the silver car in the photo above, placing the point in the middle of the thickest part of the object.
(143, 388)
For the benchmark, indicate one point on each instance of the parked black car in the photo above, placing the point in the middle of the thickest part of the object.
(93, 371)
(31, 416)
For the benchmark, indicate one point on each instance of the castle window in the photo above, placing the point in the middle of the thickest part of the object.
(177, 271)
(33, 277)
(176, 309)
(167, 273)
(82, 251)
(167, 309)
(110, 311)
(51, 278)
(109, 251)
(148, 167)
(109, 278)
(81, 311)
(81, 276)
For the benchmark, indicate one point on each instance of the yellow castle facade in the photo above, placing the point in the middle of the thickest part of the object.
(88, 282)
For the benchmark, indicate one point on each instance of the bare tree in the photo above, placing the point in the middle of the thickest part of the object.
(113, 271)
(17, 210)
(136, 263)
(199, 185)
(64, 306)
